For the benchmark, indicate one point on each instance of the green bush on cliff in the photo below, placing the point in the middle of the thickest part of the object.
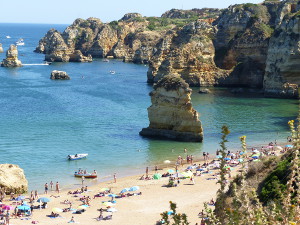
(266, 29)
(115, 25)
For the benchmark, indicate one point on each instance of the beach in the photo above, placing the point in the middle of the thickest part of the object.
(138, 209)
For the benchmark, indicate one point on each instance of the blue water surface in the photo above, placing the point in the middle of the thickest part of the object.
(42, 121)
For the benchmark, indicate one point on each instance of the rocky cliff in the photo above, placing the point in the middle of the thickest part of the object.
(245, 45)
(12, 179)
(1, 48)
(11, 58)
(188, 52)
(171, 114)
(282, 75)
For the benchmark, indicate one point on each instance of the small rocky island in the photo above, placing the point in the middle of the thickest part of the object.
(12, 179)
(59, 75)
(171, 114)
(11, 58)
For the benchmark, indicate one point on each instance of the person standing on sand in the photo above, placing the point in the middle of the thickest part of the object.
(51, 185)
(36, 196)
(115, 178)
(57, 187)
(46, 188)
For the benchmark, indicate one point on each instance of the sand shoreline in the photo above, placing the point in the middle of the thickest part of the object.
(139, 209)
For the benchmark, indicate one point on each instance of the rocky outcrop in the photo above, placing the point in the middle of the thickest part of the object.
(59, 75)
(283, 62)
(1, 48)
(171, 114)
(129, 16)
(188, 52)
(193, 13)
(12, 179)
(11, 58)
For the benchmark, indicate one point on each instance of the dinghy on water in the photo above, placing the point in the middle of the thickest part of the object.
(77, 156)
(85, 174)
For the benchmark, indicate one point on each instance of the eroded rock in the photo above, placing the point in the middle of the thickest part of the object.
(171, 114)
(59, 75)
(12, 179)
(11, 58)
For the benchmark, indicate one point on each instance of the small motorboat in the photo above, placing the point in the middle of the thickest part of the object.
(77, 156)
(20, 42)
(105, 60)
(85, 175)
(112, 72)
(8, 37)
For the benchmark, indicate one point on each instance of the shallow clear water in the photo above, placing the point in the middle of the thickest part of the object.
(42, 121)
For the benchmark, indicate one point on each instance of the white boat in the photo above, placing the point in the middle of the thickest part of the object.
(8, 36)
(77, 156)
(105, 60)
(112, 72)
(20, 42)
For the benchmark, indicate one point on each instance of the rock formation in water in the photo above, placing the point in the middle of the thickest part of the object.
(59, 75)
(171, 114)
(12, 179)
(1, 48)
(11, 58)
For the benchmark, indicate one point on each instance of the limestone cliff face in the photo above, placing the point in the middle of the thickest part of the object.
(171, 114)
(11, 58)
(127, 39)
(241, 43)
(188, 52)
(283, 63)
(12, 179)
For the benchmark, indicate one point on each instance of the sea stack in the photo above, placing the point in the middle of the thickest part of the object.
(12, 179)
(1, 48)
(59, 75)
(11, 58)
(171, 114)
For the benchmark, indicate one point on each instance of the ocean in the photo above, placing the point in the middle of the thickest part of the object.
(42, 120)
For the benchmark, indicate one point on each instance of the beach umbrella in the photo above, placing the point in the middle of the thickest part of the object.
(241, 153)
(57, 210)
(190, 168)
(200, 169)
(107, 204)
(157, 176)
(278, 148)
(7, 207)
(112, 195)
(227, 159)
(255, 156)
(24, 207)
(218, 156)
(111, 210)
(20, 198)
(240, 160)
(170, 171)
(134, 188)
(124, 190)
(104, 189)
(82, 207)
(170, 212)
(167, 161)
(177, 175)
(44, 199)
(289, 146)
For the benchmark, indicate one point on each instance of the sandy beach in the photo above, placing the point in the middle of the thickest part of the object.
(138, 209)
(141, 209)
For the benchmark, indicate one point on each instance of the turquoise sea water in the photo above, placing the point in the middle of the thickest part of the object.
(42, 121)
